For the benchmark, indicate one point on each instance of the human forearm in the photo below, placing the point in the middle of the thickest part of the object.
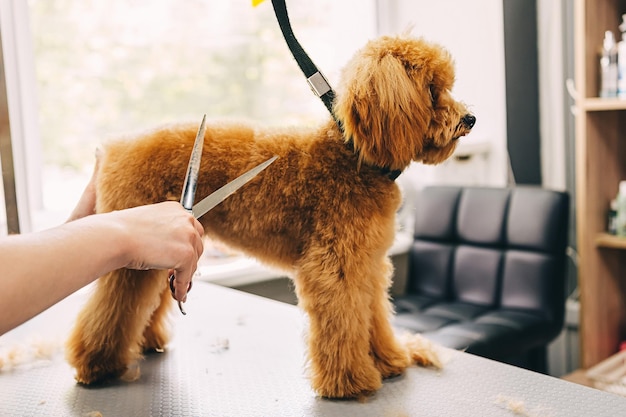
(41, 269)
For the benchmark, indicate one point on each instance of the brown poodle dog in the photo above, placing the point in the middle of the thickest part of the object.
(324, 211)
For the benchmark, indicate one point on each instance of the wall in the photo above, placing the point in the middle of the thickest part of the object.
(522, 89)
(473, 33)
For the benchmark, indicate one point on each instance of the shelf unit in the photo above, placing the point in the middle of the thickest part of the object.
(600, 165)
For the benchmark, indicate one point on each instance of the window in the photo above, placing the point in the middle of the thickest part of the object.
(101, 69)
(91, 70)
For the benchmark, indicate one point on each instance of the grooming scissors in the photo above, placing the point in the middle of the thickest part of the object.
(191, 182)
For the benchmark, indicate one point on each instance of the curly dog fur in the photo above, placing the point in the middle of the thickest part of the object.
(324, 211)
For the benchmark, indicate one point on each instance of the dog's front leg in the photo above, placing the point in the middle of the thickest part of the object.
(338, 306)
(108, 333)
(392, 357)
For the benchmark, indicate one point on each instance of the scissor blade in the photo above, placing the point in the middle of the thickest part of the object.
(191, 182)
(191, 179)
(221, 194)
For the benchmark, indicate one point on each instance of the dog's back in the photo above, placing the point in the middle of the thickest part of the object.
(315, 190)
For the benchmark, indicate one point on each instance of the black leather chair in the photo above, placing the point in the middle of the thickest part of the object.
(487, 271)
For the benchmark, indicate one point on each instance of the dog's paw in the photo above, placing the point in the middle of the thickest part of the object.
(354, 383)
(95, 371)
(94, 363)
(94, 375)
(154, 341)
(393, 363)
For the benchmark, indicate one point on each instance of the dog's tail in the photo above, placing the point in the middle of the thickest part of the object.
(422, 351)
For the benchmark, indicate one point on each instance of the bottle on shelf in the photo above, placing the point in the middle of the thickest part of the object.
(608, 66)
(612, 217)
(621, 210)
(621, 60)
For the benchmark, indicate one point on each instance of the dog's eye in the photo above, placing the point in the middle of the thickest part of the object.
(433, 93)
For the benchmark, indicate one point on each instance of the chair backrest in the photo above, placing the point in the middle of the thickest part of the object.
(495, 247)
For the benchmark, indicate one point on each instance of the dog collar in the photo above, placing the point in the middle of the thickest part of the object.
(392, 174)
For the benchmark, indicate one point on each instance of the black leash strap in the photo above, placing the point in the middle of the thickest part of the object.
(319, 84)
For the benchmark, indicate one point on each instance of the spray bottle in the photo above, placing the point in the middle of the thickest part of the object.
(608, 66)
(621, 61)
(621, 210)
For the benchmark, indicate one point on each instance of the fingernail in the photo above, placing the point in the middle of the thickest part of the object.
(172, 289)
(182, 310)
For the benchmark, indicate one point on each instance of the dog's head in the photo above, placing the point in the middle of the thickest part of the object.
(395, 104)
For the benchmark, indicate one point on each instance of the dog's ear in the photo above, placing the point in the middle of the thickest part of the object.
(385, 107)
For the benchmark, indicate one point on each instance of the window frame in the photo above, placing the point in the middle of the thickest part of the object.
(22, 121)
(23, 112)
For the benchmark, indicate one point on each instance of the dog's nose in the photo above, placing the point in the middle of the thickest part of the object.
(469, 120)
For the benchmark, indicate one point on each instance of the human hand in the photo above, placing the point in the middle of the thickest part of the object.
(87, 203)
(163, 236)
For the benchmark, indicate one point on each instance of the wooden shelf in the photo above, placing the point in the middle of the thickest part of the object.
(600, 166)
(604, 104)
(605, 240)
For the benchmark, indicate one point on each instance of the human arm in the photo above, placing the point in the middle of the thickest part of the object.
(40, 269)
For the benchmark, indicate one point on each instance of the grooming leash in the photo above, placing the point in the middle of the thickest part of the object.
(317, 81)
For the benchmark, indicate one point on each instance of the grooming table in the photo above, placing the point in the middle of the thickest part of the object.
(237, 354)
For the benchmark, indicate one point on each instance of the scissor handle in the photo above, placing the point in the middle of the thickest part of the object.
(180, 304)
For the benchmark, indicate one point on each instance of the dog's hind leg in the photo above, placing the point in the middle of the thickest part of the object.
(337, 302)
(157, 333)
(107, 336)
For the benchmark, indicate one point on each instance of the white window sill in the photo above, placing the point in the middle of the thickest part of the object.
(240, 270)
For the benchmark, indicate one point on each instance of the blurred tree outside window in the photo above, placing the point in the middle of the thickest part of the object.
(106, 68)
